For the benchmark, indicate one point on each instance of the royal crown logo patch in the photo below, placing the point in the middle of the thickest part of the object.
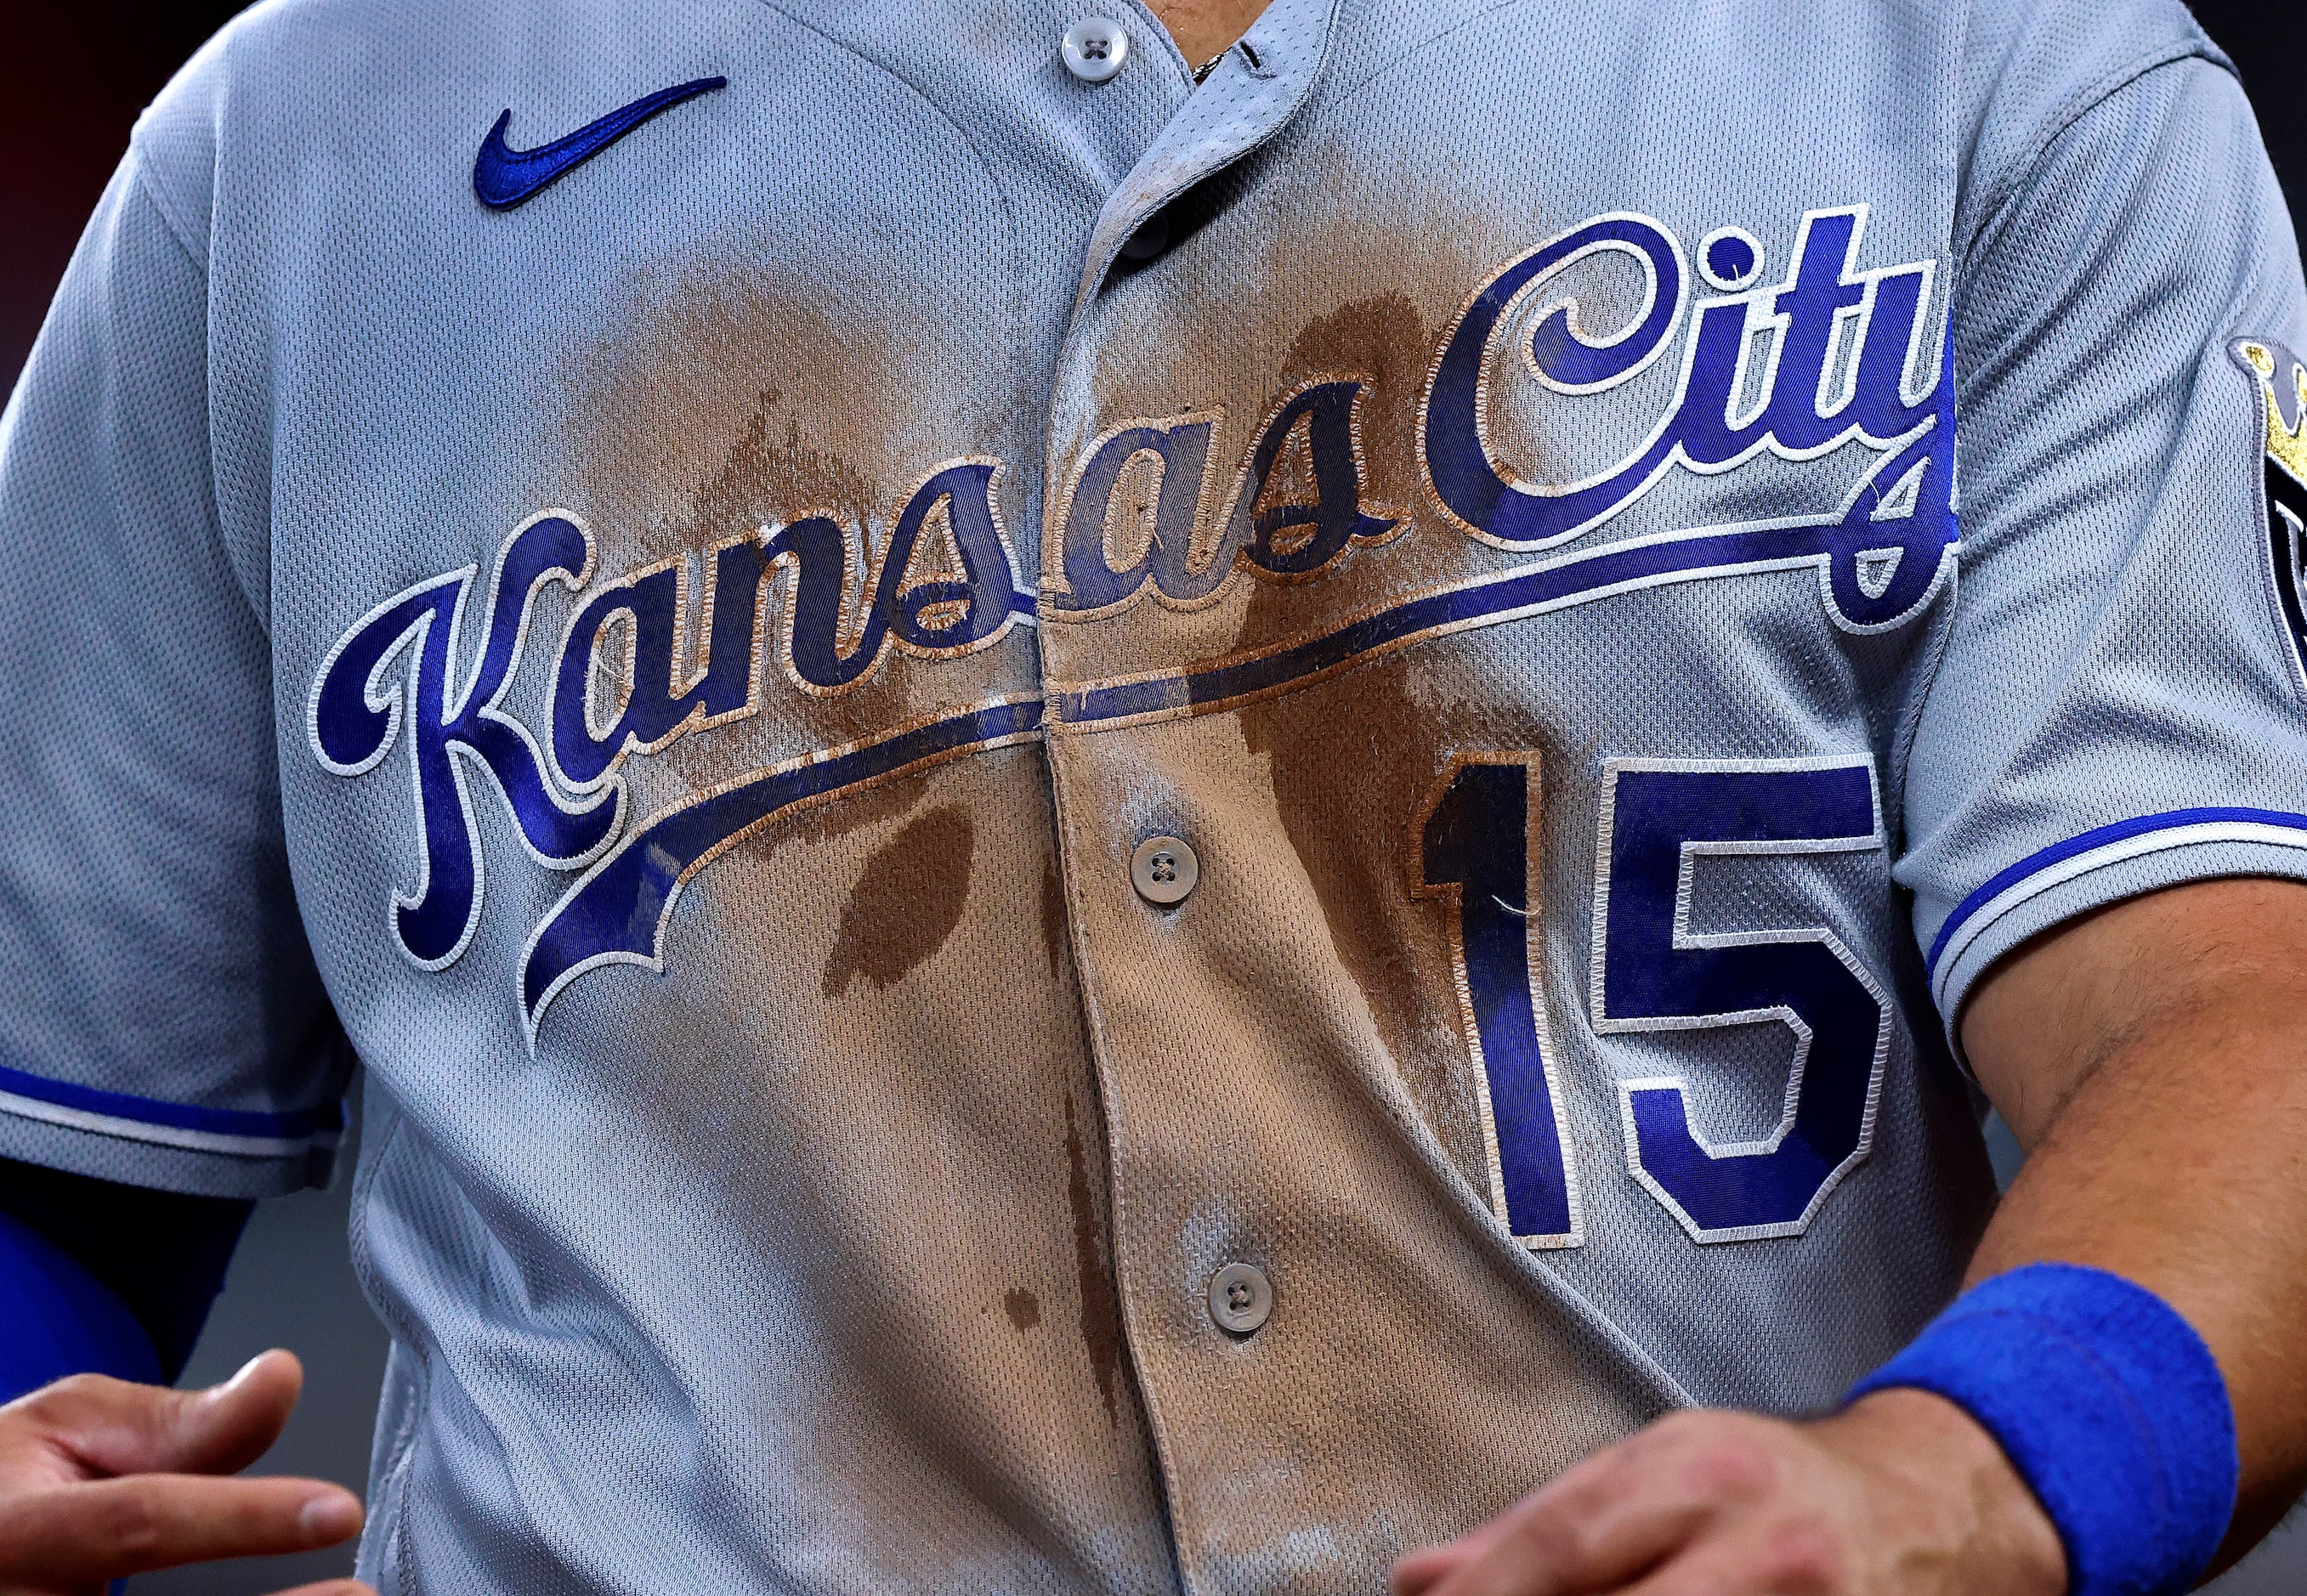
(2282, 379)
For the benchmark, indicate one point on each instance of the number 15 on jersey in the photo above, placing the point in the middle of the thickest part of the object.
(1477, 850)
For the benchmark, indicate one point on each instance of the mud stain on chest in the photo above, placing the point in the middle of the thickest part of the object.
(766, 479)
(1350, 761)
(1101, 1318)
(734, 397)
(1384, 340)
(1023, 1308)
(907, 900)
(1339, 782)
(1053, 917)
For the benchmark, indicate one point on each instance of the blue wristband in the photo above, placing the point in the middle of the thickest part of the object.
(2107, 1404)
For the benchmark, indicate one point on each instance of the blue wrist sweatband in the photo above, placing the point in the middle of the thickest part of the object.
(60, 1319)
(2107, 1404)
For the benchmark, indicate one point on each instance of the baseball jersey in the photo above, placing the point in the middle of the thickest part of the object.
(1084, 830)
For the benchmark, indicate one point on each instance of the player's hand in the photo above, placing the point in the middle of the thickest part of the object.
(1902, 1494)
(101, 1477)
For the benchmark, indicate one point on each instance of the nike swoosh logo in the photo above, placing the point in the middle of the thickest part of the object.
(503, 176)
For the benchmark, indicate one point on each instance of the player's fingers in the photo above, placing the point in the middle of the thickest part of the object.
(1606, 1521)
(1596, 1480)
(1541, 1555)
(82, 1535)
(116, 1427)
(1416, 1573)
(1784, 1559)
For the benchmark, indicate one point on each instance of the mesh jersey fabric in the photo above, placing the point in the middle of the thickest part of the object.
(145, 904)
(2166, 639)
(674, 673)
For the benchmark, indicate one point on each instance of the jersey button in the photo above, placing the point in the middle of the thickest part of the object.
(1240, 1299)
(1149, 241)
(1164, 870)
(1095, 49)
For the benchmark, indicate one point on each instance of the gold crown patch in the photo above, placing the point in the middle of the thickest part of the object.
(2280, 370)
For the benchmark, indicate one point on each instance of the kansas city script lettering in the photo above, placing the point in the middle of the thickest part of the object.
(1799, 367)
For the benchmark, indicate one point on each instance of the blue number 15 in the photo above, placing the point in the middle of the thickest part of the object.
(1651, 973)
(1475, 852)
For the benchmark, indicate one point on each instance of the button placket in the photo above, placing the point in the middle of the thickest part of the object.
(1190, 1328)
(1241, 107)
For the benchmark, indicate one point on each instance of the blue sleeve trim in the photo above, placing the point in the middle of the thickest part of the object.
(243, 1133)
(61, 1321)
(2110, 1407)
(2104, 845)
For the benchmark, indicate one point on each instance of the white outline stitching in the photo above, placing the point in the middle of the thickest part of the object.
(1684, 939)
(1451, 895)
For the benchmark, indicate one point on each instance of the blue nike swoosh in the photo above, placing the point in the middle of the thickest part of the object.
(503, 176)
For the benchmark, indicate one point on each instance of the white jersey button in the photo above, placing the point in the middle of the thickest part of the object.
(1095, 49)
(1240, 1299)
(1164, 870)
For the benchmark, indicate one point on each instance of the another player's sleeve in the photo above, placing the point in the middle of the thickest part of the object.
(104, 1277)
(162, 1021)
(2122, 701)
(62, 1320)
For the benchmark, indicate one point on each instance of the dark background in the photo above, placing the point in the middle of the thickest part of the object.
(74, 76)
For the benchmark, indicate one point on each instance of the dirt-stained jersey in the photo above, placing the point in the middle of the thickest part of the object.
(1090, 833)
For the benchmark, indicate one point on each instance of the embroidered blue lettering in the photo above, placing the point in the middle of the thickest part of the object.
(1452, 425)
(356, 712)
(643, 662)
(1477, 848)
(1289, 536)
(943, 584)
(649, 611)
(1843, 346)
(1133, 516)
(1653, 974)
(1130, 519)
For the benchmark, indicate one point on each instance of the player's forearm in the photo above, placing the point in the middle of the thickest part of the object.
(2150, 1059)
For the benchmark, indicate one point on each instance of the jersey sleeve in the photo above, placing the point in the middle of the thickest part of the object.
(2121, 701)
(164, 1024)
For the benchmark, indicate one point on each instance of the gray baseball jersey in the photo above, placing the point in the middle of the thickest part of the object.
(1090, 833)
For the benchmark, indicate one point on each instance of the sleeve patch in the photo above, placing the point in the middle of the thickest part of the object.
(2282, 384)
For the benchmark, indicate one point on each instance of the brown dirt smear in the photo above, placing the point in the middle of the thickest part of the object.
(1023, 1306)
(1344, 787)
(1383, 339)
(763, 482)
(907, 900)
(1351, 761)
(750, 393)
(1053, 916)
(736, 397)
(1100, 1315)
